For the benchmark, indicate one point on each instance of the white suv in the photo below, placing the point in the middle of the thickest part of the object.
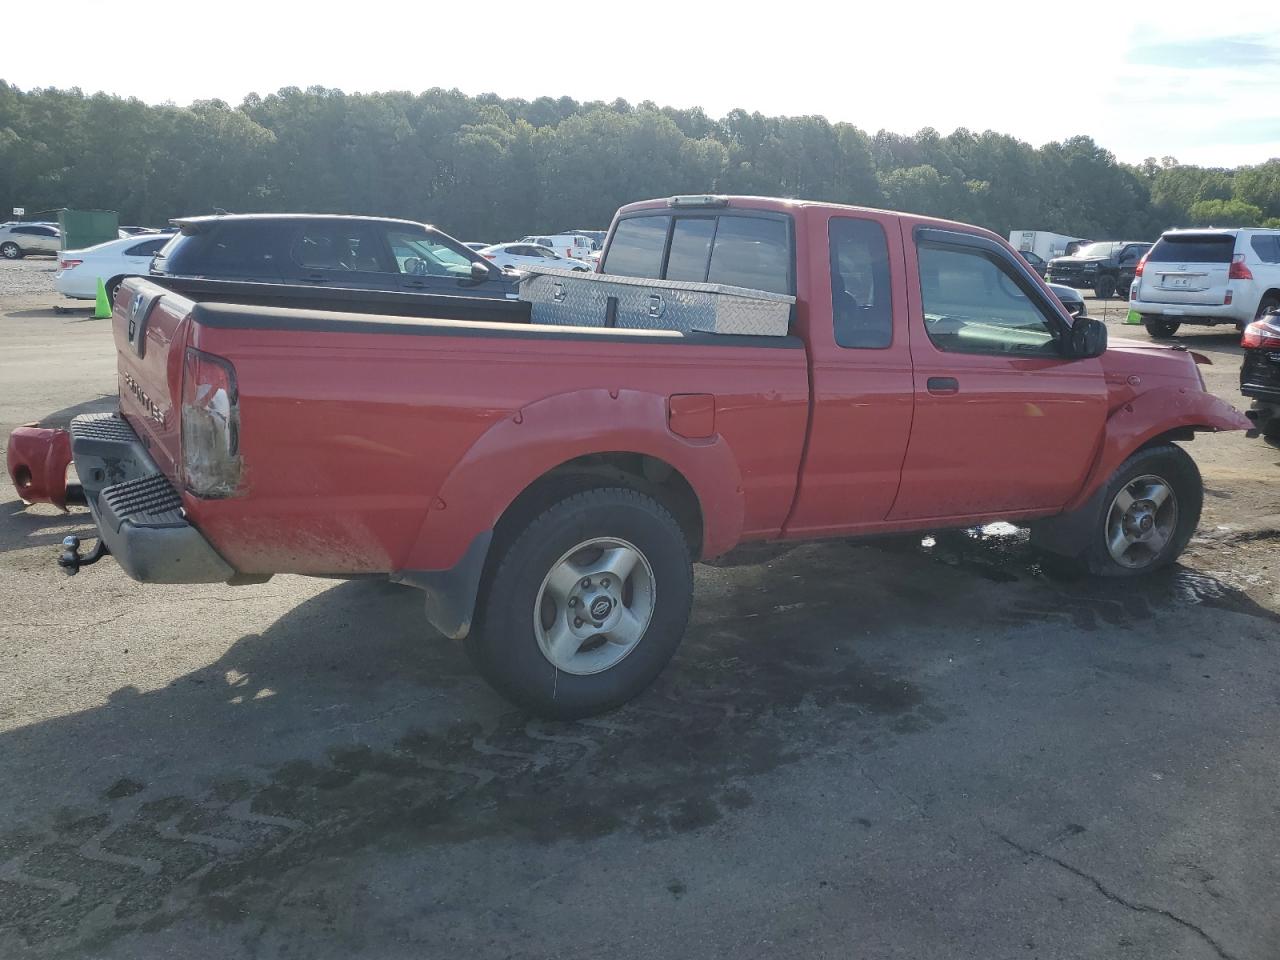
(19, 239)
(1207, 277)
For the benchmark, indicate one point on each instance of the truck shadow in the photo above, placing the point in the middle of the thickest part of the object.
(345, 724)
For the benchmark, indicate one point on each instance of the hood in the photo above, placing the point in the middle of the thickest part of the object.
(1066, 261)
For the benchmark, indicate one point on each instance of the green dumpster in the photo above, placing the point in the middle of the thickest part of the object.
(87, 228)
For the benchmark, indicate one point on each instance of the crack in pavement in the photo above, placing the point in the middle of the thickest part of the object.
(1115, 897)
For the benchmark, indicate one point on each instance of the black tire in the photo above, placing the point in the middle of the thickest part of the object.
(1105, 287)
(1173, 466)
(1266, 304)
(112, 287)
(1159, 328)
(504, 643)
(10, 251)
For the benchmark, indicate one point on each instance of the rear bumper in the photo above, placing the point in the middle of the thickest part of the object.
(138, 512)
(1203, 313)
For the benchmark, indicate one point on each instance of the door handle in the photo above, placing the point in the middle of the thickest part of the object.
(943, 386)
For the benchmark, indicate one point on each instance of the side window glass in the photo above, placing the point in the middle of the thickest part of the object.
(1267, 247)
(861, 301)
(148, 249)
(690, 248)
(336, 246)
(422, 255)
(637, 247)
(974, 303)
(751, 252)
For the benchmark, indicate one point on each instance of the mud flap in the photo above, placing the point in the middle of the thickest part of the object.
(451, 594)
(1067, 534)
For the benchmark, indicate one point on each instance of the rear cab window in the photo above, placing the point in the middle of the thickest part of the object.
(1193, 248)
(740, 248)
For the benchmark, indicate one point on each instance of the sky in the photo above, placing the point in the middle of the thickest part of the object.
(1192, 80)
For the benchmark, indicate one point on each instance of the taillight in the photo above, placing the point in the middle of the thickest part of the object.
(1239, 271)
(68, 264)
(1137, 271)
(1264, 333)
(210, 425)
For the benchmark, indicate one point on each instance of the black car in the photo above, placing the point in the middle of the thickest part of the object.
(1260, 373)
(1106, 268)
(324, 250)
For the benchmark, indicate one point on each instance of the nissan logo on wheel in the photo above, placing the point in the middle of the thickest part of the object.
(600, 608)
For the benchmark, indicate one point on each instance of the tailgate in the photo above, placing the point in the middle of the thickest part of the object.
(148, 323)
(1189, 268)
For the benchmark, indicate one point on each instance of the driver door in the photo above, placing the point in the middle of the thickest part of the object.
(1003, 424)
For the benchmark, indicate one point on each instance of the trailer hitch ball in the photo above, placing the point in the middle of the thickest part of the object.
(70, 560)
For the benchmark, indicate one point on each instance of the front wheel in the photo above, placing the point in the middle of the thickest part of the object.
(10, 251)
(1150, 509)
(1105, 288)
(586, 605)
(1159, 328)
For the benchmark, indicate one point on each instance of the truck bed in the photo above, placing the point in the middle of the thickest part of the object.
(377, 442)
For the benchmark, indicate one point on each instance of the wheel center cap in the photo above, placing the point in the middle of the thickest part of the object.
(600, 608)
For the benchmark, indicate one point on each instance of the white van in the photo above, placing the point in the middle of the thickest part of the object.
(1207, 277)
(571, 245)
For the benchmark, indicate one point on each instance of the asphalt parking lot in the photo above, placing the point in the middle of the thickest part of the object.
(911, 751)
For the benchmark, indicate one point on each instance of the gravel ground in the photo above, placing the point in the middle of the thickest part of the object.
(938, 751)
(29, 277)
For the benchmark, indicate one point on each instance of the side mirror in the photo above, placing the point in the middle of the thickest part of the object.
(480, 271)
(1088, 338)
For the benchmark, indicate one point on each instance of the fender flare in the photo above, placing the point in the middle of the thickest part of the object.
(1151, 415)
(520, 448)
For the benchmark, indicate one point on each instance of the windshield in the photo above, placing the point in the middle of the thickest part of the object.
(1097, 250)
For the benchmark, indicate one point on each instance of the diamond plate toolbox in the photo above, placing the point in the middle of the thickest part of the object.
(570, 298)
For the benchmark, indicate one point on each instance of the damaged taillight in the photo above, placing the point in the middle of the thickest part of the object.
(1264, 333)
(210, 425)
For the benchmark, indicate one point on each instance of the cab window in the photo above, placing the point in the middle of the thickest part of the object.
(861, 301)
(974, 302)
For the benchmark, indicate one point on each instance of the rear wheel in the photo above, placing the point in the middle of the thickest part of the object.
(10, 251)
(1150, 509)
(586, 605)
(112, 287)
(1160, 328)
(1105, 288)
(1266, 305)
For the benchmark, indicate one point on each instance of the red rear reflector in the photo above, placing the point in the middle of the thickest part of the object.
(1262, 333)
(1238, 269)
(489, 256)
(1226, 300)
(68, 264)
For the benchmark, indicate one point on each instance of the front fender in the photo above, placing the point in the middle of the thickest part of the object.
(519, 449)
(1150, 415)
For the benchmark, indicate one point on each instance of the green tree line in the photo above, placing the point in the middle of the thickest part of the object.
(491, 168)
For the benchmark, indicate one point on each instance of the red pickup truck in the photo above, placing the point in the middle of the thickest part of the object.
(547, 488)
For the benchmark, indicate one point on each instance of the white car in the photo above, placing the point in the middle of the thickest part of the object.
(80, 270)
(1207, 277)
(570, 245)
(519, 256)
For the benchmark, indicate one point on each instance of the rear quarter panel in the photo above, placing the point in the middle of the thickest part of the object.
(377, 452)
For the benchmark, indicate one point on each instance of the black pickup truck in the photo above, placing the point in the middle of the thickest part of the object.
(1106, 267)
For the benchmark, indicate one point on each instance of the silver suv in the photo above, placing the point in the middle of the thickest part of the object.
(1207, 277)
(19, 239)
